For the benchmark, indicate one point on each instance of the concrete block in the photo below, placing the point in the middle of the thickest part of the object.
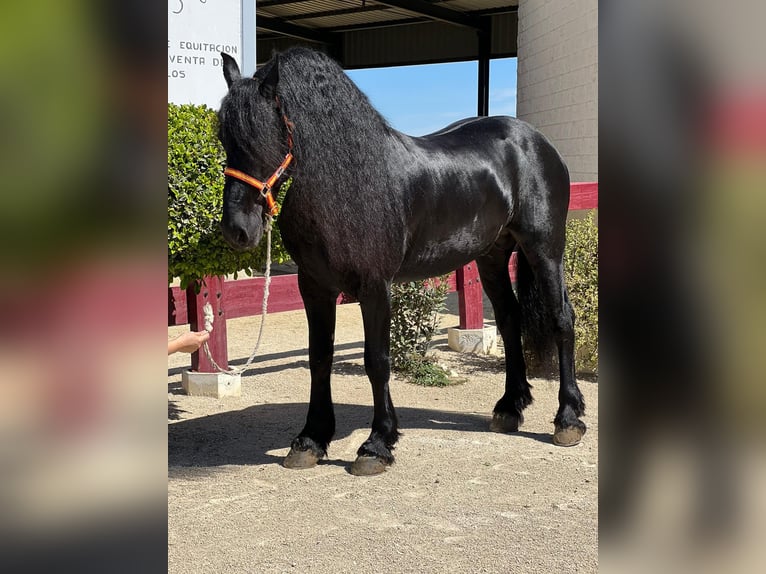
(211, 384)
(479, 341)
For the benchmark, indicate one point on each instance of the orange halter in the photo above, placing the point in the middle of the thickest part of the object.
(265, 186)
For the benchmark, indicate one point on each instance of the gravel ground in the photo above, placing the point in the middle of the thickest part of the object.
(459, 498)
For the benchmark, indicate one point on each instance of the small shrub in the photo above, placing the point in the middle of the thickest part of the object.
(196, 159)
(424, 372)
(414, 317)
(581, 269)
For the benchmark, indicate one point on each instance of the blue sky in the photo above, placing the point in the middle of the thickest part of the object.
(422, 99)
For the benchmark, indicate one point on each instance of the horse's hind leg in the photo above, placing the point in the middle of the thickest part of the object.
(493, 269)
(548, 273)
(375, 454)
(312, 442)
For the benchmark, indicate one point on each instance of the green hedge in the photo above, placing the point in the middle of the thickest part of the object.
(581, 269)
(196, 159)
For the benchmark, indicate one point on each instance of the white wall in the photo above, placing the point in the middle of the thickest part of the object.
(198, 30)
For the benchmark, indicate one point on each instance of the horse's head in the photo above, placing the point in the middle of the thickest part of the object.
(254, 136)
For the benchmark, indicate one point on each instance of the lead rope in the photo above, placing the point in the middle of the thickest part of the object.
(208, 313)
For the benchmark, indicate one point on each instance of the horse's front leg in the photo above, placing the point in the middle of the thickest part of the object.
(312, 442)
(375, 454)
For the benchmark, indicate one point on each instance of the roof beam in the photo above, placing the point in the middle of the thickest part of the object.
(338, 12)
(379, 24)
(286, 29)
(495, 11)
(272, 3)
(436, 12)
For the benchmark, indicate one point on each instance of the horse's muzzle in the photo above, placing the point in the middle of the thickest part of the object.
(240, 235)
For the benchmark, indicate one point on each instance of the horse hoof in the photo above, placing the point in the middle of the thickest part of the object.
(505, 422)
(367, 466)
(569, 436)
(298, 459)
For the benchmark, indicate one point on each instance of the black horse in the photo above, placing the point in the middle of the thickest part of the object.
(369, 205)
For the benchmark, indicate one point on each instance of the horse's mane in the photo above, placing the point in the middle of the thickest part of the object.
(314, 84)
(336, 127)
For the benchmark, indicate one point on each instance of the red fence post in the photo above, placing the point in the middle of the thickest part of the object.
(512, 263)
(469, 296)
(211, 292)
(177, 308)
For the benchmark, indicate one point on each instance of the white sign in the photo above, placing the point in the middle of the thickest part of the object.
(198, 31)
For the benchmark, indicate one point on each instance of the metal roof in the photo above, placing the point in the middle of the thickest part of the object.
(376, 33)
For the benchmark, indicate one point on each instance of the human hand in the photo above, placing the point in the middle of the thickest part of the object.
(187, 342)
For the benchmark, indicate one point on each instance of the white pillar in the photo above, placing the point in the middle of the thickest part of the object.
(248, 38)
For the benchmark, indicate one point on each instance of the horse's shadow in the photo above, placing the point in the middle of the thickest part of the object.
(248, 436)
(298, 355)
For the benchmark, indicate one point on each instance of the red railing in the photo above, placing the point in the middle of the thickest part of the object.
(243, 298)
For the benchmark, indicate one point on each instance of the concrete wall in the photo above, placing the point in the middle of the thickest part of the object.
(558, 78)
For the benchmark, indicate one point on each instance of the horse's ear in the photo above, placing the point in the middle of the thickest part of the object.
(230, 69)
(268, 87)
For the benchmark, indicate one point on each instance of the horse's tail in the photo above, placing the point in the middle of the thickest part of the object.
(537, 318)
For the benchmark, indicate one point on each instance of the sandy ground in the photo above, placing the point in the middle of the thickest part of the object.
(459, 498)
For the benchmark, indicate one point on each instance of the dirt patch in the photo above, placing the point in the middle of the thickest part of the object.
(459, 498)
